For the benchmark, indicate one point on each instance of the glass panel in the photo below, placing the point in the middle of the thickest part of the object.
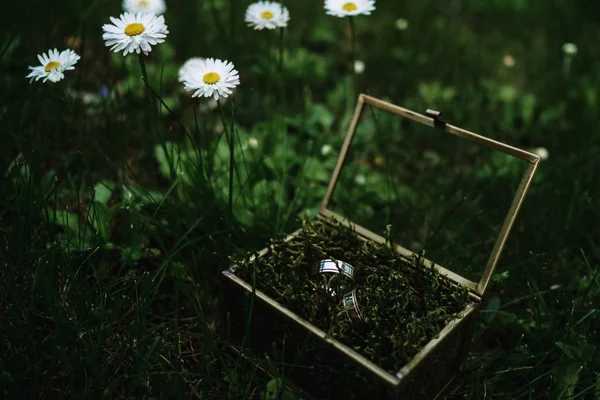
(440, 193)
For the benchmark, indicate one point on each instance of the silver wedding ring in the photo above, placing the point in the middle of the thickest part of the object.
(350, 306)
(350, 300)
(329, 266)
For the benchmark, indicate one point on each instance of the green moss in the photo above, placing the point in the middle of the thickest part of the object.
(405, 303)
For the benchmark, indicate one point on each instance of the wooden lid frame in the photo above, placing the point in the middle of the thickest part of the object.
(433, 119)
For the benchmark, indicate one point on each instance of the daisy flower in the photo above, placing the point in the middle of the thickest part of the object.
(401, 24)
(135, 32)
(542, 152)
(157, 7)
(326, 149)
(253, 143)
(187, 66)
(54, 64)
(345, 8)
(508, 61)
(359, 67)
(267, 14)
(569, 49)
(211, 78)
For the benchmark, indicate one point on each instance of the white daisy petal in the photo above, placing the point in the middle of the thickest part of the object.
(112, 29)
(189, 65)
(267, 15)
(209, 77)
(349, 8)
(54, 63)
(132, 33)
(127, 18)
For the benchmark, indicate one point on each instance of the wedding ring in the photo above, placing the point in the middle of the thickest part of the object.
(329, 266)
(350, 306)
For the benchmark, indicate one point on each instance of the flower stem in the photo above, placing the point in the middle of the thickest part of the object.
(282, 100)
(153, 108)
(198, 147)
(567, 66)
(270, 63)
(231, 143)
(145, 79)
(351, 86)
(281, 33)
(143, 67)
(352, 44)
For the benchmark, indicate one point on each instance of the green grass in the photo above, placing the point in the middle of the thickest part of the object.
(114, 206)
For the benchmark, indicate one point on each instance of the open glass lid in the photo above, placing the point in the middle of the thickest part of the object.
(445, 191)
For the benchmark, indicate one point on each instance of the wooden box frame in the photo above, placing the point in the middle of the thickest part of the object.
(407, 382)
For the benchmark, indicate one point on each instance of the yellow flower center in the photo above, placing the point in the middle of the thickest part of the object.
(211, 78)
(143, 3)
(266, 15)
(134, 29)
(51, 65)
(349, 7)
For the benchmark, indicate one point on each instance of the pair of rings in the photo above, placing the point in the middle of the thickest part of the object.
(350, 299)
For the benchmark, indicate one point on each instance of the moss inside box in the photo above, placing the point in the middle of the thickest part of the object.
(404, 303)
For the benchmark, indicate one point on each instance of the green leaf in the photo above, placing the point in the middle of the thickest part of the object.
(48, 180)
(103, 190)
(553, 114)
(266, 192)
(172, 160)
(138, 193)
(501, 277)
(132, 253)
(77, 235)
(321, 116)
(567, 378)
(527, 107)
(25, 171)
(100, 218)
(314, 171)
(336, 98)
(507, 93)
(65, 219)
(164, 155)
(276, 390)
(571, 351)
